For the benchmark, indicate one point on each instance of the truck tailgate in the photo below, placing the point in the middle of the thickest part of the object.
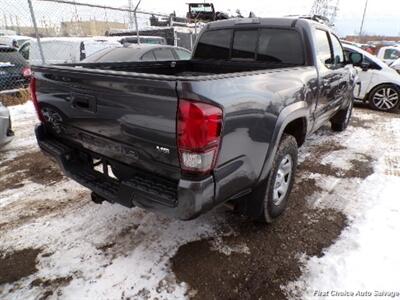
(125, 118)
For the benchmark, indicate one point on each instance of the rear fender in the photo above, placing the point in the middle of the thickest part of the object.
(288, 114)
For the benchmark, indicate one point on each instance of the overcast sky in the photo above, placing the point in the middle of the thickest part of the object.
(383, 16)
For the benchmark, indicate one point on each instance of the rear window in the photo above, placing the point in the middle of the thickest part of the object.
(112, 55)
(11, 56)
(164, 54)
(244, 44)
(214, 44)
(268, 45)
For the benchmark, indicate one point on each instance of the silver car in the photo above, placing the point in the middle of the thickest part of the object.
(6, 133)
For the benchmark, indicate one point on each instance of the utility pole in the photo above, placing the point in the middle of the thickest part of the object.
(363, 19)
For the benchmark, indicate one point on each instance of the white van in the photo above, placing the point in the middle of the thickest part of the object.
(64, 50)
(389, 54)
(396, 65)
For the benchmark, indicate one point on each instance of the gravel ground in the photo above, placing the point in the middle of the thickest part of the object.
(56, 244)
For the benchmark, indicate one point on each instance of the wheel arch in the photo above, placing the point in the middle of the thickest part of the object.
(288, 121)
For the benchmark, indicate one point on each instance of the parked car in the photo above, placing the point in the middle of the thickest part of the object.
(131, 39)
(181, 137)
(139, 53)
(64, 50)
(396, 65)
(389, 54)
(379, 84)
(14, 40)
(6, 132)
(14, 70)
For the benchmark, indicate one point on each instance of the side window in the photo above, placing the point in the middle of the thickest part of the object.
(391, 54)
(337, 51)
(244, 44)
(214, 44)
(366, 60)
(149, 56)
(25, 50)
(323, 47)
(164, 54)
(182, 54)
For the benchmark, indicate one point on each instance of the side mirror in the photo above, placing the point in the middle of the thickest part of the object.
(356, 58)
(365, 66)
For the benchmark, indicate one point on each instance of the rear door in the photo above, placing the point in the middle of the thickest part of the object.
(125, 118)
(333, 76)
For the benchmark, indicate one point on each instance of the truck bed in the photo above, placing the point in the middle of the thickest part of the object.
(185, 68)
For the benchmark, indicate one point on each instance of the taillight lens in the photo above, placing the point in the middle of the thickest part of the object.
(198, 135)
(32, 87)
(27, 72)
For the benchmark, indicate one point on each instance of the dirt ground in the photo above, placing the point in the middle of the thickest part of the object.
(241, 259)
(32, 166)
(271, 258)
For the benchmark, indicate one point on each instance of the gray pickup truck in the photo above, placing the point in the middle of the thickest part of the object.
(182, 137)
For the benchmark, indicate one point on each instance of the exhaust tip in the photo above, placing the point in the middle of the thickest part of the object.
(97, 198)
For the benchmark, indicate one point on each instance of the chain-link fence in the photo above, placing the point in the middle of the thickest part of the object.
(69, 31)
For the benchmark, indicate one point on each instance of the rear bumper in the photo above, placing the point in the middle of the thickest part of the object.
(184, 200)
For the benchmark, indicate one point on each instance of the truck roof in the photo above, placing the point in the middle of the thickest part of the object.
(275, 22)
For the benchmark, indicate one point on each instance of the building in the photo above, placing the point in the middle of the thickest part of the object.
(30, 31)
(7, 32)
(89, 28)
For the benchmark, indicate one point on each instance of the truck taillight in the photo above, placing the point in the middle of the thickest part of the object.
(198, 134)
(35, 101)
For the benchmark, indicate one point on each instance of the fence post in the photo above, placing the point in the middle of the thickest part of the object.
(136, 23)
(36, 31)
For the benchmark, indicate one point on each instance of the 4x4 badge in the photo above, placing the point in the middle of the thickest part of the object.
(162, 150)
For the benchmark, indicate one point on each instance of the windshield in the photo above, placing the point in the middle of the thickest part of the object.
(144, 40)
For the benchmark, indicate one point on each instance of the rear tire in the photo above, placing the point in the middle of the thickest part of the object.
(385, 98)
(342, 119)
(274, 192)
